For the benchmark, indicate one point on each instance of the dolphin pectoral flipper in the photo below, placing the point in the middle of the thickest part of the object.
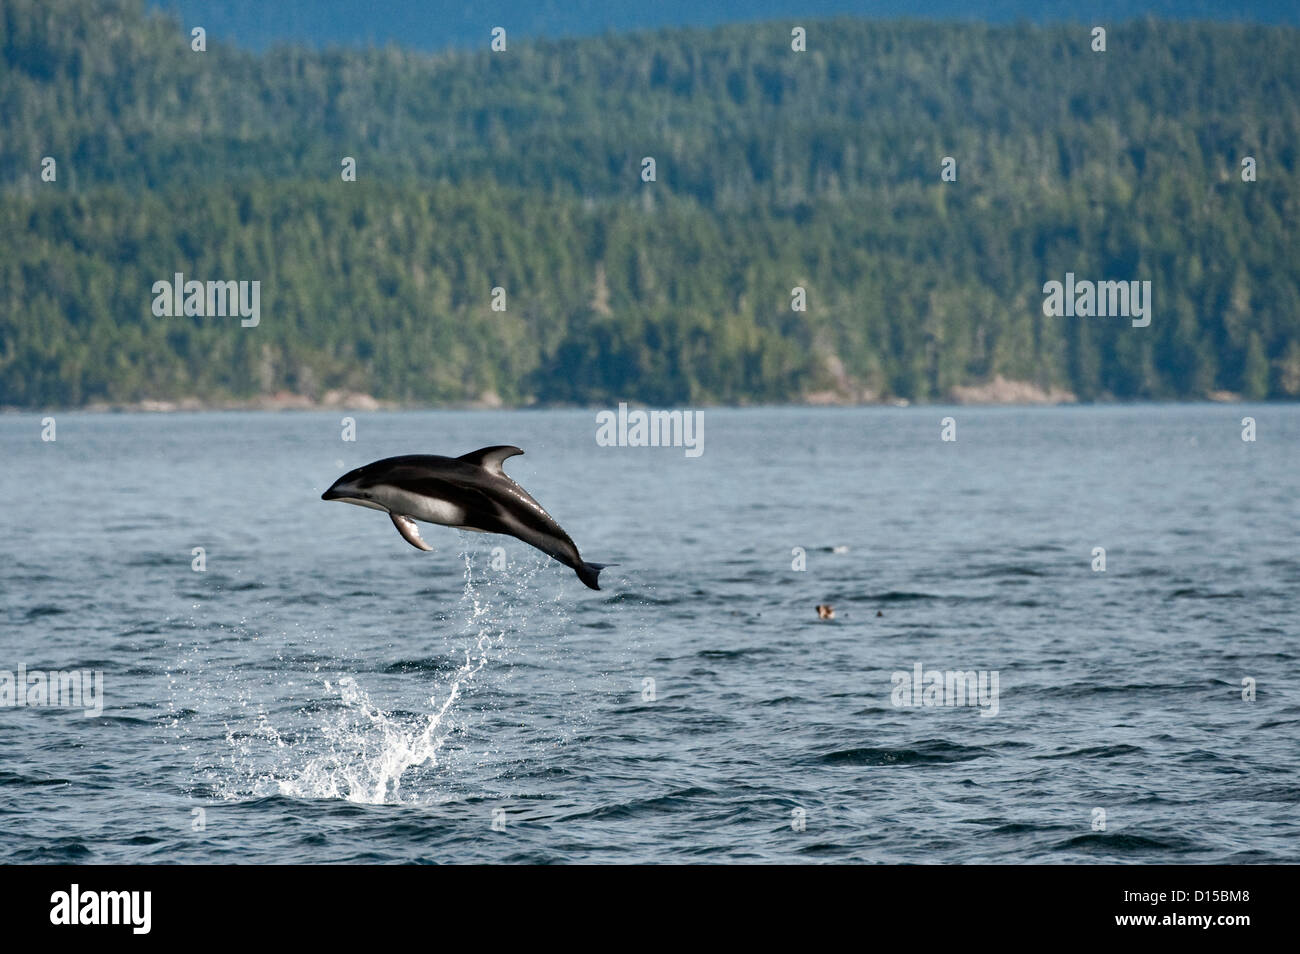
(410, 531)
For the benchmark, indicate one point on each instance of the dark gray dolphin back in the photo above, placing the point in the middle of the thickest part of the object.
(523, 517)
(496, 504)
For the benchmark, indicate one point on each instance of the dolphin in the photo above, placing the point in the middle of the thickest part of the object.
(470, 492)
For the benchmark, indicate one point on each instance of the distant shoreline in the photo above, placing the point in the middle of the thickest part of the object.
(997, 393)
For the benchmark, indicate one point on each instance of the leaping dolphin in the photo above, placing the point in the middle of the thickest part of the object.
(470, 492)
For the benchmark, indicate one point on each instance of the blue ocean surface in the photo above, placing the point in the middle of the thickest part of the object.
(316, 690)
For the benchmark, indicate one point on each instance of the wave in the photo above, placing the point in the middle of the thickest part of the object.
(44, 610)
(1200, 593)
(1095, 752)
(1122, 843)
(930, 751)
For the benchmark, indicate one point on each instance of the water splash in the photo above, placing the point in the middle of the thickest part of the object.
(369, 749)
(295, 713)
(358, 735)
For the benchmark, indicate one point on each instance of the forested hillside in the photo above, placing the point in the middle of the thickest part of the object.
(522, 170)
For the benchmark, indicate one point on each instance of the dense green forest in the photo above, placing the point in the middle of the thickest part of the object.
(522, 170)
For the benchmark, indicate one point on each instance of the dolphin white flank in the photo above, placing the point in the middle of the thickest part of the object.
(470, 492)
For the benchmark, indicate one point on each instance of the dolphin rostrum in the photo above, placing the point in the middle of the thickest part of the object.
(471, 492)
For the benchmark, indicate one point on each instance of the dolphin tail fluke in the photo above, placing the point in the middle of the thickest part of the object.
(588, 572)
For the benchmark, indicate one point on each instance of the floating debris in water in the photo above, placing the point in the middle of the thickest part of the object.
(825, 611)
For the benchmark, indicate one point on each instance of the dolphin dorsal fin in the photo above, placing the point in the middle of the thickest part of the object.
(490, 458)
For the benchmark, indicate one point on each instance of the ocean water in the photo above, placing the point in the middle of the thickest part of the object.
(322, 692)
